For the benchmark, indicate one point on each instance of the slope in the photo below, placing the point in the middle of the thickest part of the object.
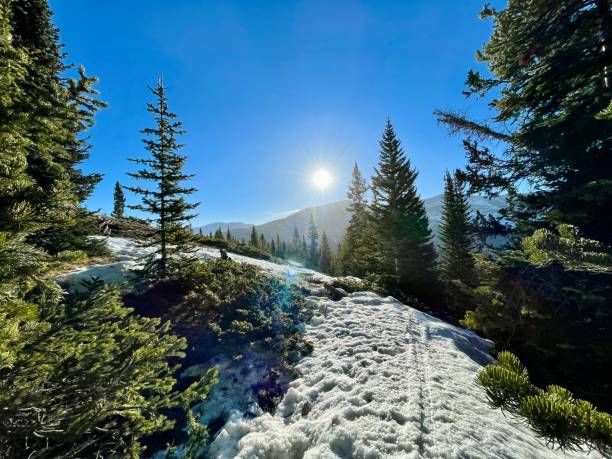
(333, 219)
(384, 381)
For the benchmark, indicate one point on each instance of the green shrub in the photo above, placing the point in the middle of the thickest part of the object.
(93, 384)
(554, 414)
(236, 302)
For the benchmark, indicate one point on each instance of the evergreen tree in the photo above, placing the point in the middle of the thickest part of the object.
(273, 247)
(201, 232)
(254, 241)
(325, 257)
(303, 249)
(262, 242)
(48, 113)
(118, 201)
(356, 256)
(549, 88)
(295, 248)
(406, 250)
(279, 247)
(456, 259)
(313, 236)
(166, 197)
(218, 233)
(228, 234)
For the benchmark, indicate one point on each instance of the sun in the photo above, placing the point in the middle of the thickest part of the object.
(321, 179)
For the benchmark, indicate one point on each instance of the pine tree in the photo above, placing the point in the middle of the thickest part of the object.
(406, 251)
(313, 236)
(279, 247)
(294, 248)
(166, 197)
(254, 241)
(273, 247)
(456, 259)
(356, 256)
(325, 257)
(118, 201)
(303, 249)
(49, 116)
(218, 233)
(228, 234)
(548, 86)
(262, 242)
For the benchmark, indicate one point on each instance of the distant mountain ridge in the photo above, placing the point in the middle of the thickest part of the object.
(333, 219)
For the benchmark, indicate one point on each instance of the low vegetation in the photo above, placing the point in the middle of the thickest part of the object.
(554, 413)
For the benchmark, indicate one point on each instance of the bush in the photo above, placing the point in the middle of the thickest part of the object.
(554, 414)
(233, 309)
(350, 284)
(236, 302)
(93, 383)
(549, 304)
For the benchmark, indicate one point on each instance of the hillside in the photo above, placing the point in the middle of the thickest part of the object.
(384, 381)
(333, 218)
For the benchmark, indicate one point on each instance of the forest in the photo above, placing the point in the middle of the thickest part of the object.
(124, 369)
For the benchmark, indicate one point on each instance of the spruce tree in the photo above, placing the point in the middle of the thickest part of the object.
(356, 256)
(273, 247)
(456, 259)
(218, 233)
(404, 238)
(548, 85)
(165, 199)
(118, 201)
(279, 246)
(254, 241)
(295, 247)
(228, 234)
(313, 236)
(303, 249)
(262, 242)
(325, 257)
(52, 112)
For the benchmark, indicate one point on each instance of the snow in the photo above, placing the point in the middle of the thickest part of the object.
(384, 381)
(130, 255)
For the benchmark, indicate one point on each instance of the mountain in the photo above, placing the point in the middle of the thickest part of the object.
(333, 218)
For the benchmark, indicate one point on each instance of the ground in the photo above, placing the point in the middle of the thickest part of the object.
(384, 381)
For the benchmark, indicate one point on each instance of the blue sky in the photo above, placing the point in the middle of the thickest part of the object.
(271, 91)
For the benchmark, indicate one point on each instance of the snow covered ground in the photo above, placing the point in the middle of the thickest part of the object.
(384, 381)
(129, 255)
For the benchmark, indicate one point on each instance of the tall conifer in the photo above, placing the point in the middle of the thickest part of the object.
(325, 257)
(456, 260)
(406, 250)
(118, 201)
(165, 199)
(356, 256)
(254, 241)
(313, 236)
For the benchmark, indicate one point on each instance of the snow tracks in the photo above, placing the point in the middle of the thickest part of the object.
(384, 381)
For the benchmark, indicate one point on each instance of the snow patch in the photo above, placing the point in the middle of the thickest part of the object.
(384, 381)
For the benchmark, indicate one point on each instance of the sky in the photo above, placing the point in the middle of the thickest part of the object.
(272, 91)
